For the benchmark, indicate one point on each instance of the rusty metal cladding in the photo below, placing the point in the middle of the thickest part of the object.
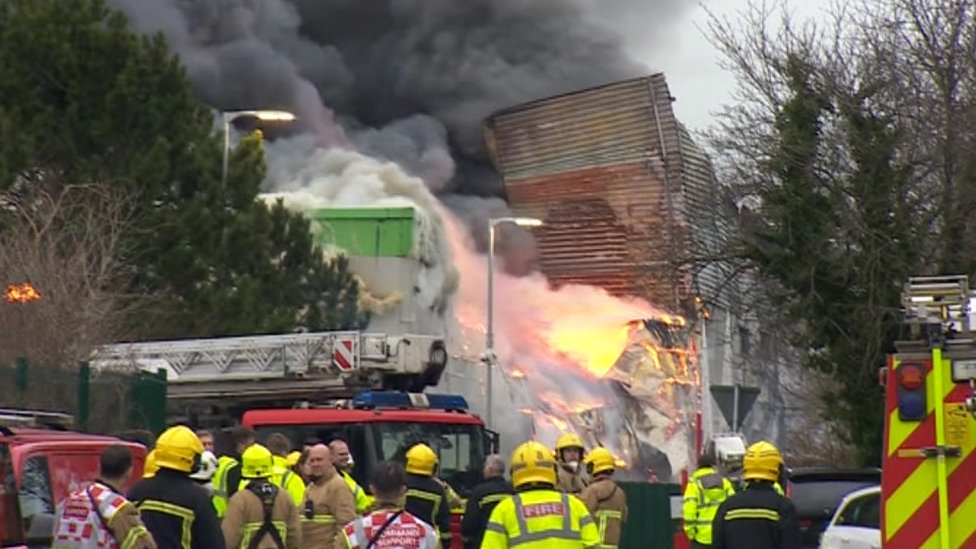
(616, 180)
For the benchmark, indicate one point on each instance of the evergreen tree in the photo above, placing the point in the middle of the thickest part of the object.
(86, 99)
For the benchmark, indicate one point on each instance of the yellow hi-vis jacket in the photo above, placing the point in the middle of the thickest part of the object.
(283, 477)
(705, 491)
(221, 491)
(363, 500)
(540, 519)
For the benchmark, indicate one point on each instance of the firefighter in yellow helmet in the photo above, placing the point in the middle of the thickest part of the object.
(758, 517)
(538, 516)
(569, 454)
(706, 490)
(603, 498)
(149, 467)
(426, 498)
(261, 511)
(176, 510)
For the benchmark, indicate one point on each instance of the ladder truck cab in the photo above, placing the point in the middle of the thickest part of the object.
(928, 482)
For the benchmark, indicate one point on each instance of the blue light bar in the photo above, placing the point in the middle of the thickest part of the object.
(393, 399)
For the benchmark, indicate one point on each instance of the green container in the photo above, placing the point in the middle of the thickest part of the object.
(649, 523)
(368, 232)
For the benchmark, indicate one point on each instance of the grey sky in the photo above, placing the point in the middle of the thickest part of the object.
(690, 63)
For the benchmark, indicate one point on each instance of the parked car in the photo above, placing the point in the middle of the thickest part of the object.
(39, 468)
(857, 522)
(817, 492)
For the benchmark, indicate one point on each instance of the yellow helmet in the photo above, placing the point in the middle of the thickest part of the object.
(256, 462)
(421, 460)
(179, 449)
(599, 460)
(149, 467)
(532, 463)
(568, 440)
(762, 462)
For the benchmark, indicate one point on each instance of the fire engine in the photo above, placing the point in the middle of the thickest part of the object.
(929, 465)
(322, 386)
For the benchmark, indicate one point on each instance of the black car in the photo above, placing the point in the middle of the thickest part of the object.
(816, 493)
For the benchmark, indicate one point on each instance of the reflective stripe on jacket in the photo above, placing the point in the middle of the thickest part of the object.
(363, 500)
(221, 486)
(245, 516)
(540, 519)
(608, 504)
(425, 500)
(706, 490)
(327, 507)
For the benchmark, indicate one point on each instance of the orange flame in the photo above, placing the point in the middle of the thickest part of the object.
(22, 293)
(593, 347)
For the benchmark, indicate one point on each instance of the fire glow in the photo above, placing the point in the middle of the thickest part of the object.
(22, 293)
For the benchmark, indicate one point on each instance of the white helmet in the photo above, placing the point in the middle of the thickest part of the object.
(208, 466)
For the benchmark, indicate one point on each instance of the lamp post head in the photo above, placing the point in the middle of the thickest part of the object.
(520, 221)
(265, 115)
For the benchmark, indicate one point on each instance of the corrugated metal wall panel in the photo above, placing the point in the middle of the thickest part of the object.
(617, 180)
(600, 127)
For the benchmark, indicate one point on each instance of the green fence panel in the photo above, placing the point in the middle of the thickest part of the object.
(101, 401)
(149, 402)
(649, 523)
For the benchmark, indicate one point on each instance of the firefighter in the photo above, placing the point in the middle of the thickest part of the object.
(706, 490)
(99, 515)
(177, 512)
(328, 503)
(262, 515)
(149, 466)
(387, 518)
(227, 479)
(204, 475)
(538, 516)
(284, 477)
(342, 459)
(426, 499)
(482, 501)
(569, 454)
(758, 517)
(605, 501)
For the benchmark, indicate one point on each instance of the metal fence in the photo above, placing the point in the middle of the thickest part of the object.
(101, 401)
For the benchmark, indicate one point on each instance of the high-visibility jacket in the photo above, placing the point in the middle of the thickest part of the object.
(706, 490)
(286, 479)
(607, 503)
(224, 487)
(540, 519)
(98, 517)
(363, 500)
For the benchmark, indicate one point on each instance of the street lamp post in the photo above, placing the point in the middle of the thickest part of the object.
(489, 357)
(230, 116)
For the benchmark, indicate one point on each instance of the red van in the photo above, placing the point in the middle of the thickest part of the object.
(39, 468)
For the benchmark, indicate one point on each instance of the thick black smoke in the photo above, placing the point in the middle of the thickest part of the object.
(406, 80)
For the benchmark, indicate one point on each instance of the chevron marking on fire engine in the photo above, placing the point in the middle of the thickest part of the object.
(962, 525)
(915, 478)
